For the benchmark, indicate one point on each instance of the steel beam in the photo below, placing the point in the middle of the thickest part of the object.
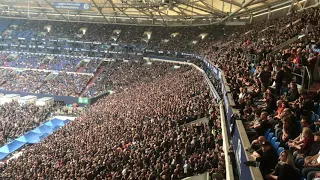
(190, 11)
(305, 4)
(56, 10)
(116, 7)
(213, 8)
(290, 8)
(155, 19)
(15, 9)
(199, 8)
(99, 9)
(180, 11)
(164, 22)
(298, 3)
(232, 2)
(263, 8)
(235, 12)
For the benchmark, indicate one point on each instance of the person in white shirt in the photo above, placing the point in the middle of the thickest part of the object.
(311, 167)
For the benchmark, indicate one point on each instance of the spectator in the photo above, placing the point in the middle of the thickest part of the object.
(269, 158)
(285, 169)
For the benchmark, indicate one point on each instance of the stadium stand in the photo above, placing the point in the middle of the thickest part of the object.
(153, 110)
(16, 119)
(269, 66)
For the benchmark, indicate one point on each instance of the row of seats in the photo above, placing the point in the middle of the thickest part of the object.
(270, 136)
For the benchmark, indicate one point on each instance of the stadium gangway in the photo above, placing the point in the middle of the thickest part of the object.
(286, 43)
(304, 71)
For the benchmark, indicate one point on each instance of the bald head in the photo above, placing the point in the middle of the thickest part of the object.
(261, 139)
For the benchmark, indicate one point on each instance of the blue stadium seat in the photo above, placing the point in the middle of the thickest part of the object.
(313, 116)
(280, 149)
(270, 135)
(298, 173)
(267, 132)
(273, 140)
(318, 110)
(316, 117)
(276, 144)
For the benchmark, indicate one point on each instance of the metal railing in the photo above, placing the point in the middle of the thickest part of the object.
(309, 78)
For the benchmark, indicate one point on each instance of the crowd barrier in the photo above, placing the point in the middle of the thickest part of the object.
(233, 131)
(237, 133)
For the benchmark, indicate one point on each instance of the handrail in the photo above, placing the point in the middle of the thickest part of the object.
(243, 138)
(309, 76)
(226, 144)
(255, 172)
(302, 75)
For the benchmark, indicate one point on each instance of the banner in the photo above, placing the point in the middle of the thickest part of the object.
(72, 5)
(83, 100)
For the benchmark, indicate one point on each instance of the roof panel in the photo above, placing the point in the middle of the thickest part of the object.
(108, 10)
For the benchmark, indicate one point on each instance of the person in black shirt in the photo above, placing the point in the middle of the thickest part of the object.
(259, 127)
(303, 106)
(286, 55)
(265, 76)
(316, 96)
(285, 169)
(279, 79)
(271, 103)
(293, 93)
(268, 159)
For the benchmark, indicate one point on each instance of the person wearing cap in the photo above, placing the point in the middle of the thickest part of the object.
(268, 159)
(315, 148)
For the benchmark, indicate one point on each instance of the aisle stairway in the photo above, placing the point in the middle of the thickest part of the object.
(288, 42)
(42, 66)
(5, 64)
(80, 69)
(93, 79)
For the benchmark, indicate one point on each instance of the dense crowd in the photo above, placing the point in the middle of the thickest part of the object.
(25, 81)
(65, 84)
(136, 133)
(61, 84)
(118, 75)
(152, 100)
(268, 95)
(15, 120)
(44, 62)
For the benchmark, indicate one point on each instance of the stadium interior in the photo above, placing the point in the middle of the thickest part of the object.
(160, 89)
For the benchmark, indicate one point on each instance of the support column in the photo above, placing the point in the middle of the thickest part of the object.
(290, 8)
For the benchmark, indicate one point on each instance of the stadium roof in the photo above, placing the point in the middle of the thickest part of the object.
(141, 12)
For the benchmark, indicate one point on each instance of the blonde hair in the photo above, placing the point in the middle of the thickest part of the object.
(307, 131)
(289, 159)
